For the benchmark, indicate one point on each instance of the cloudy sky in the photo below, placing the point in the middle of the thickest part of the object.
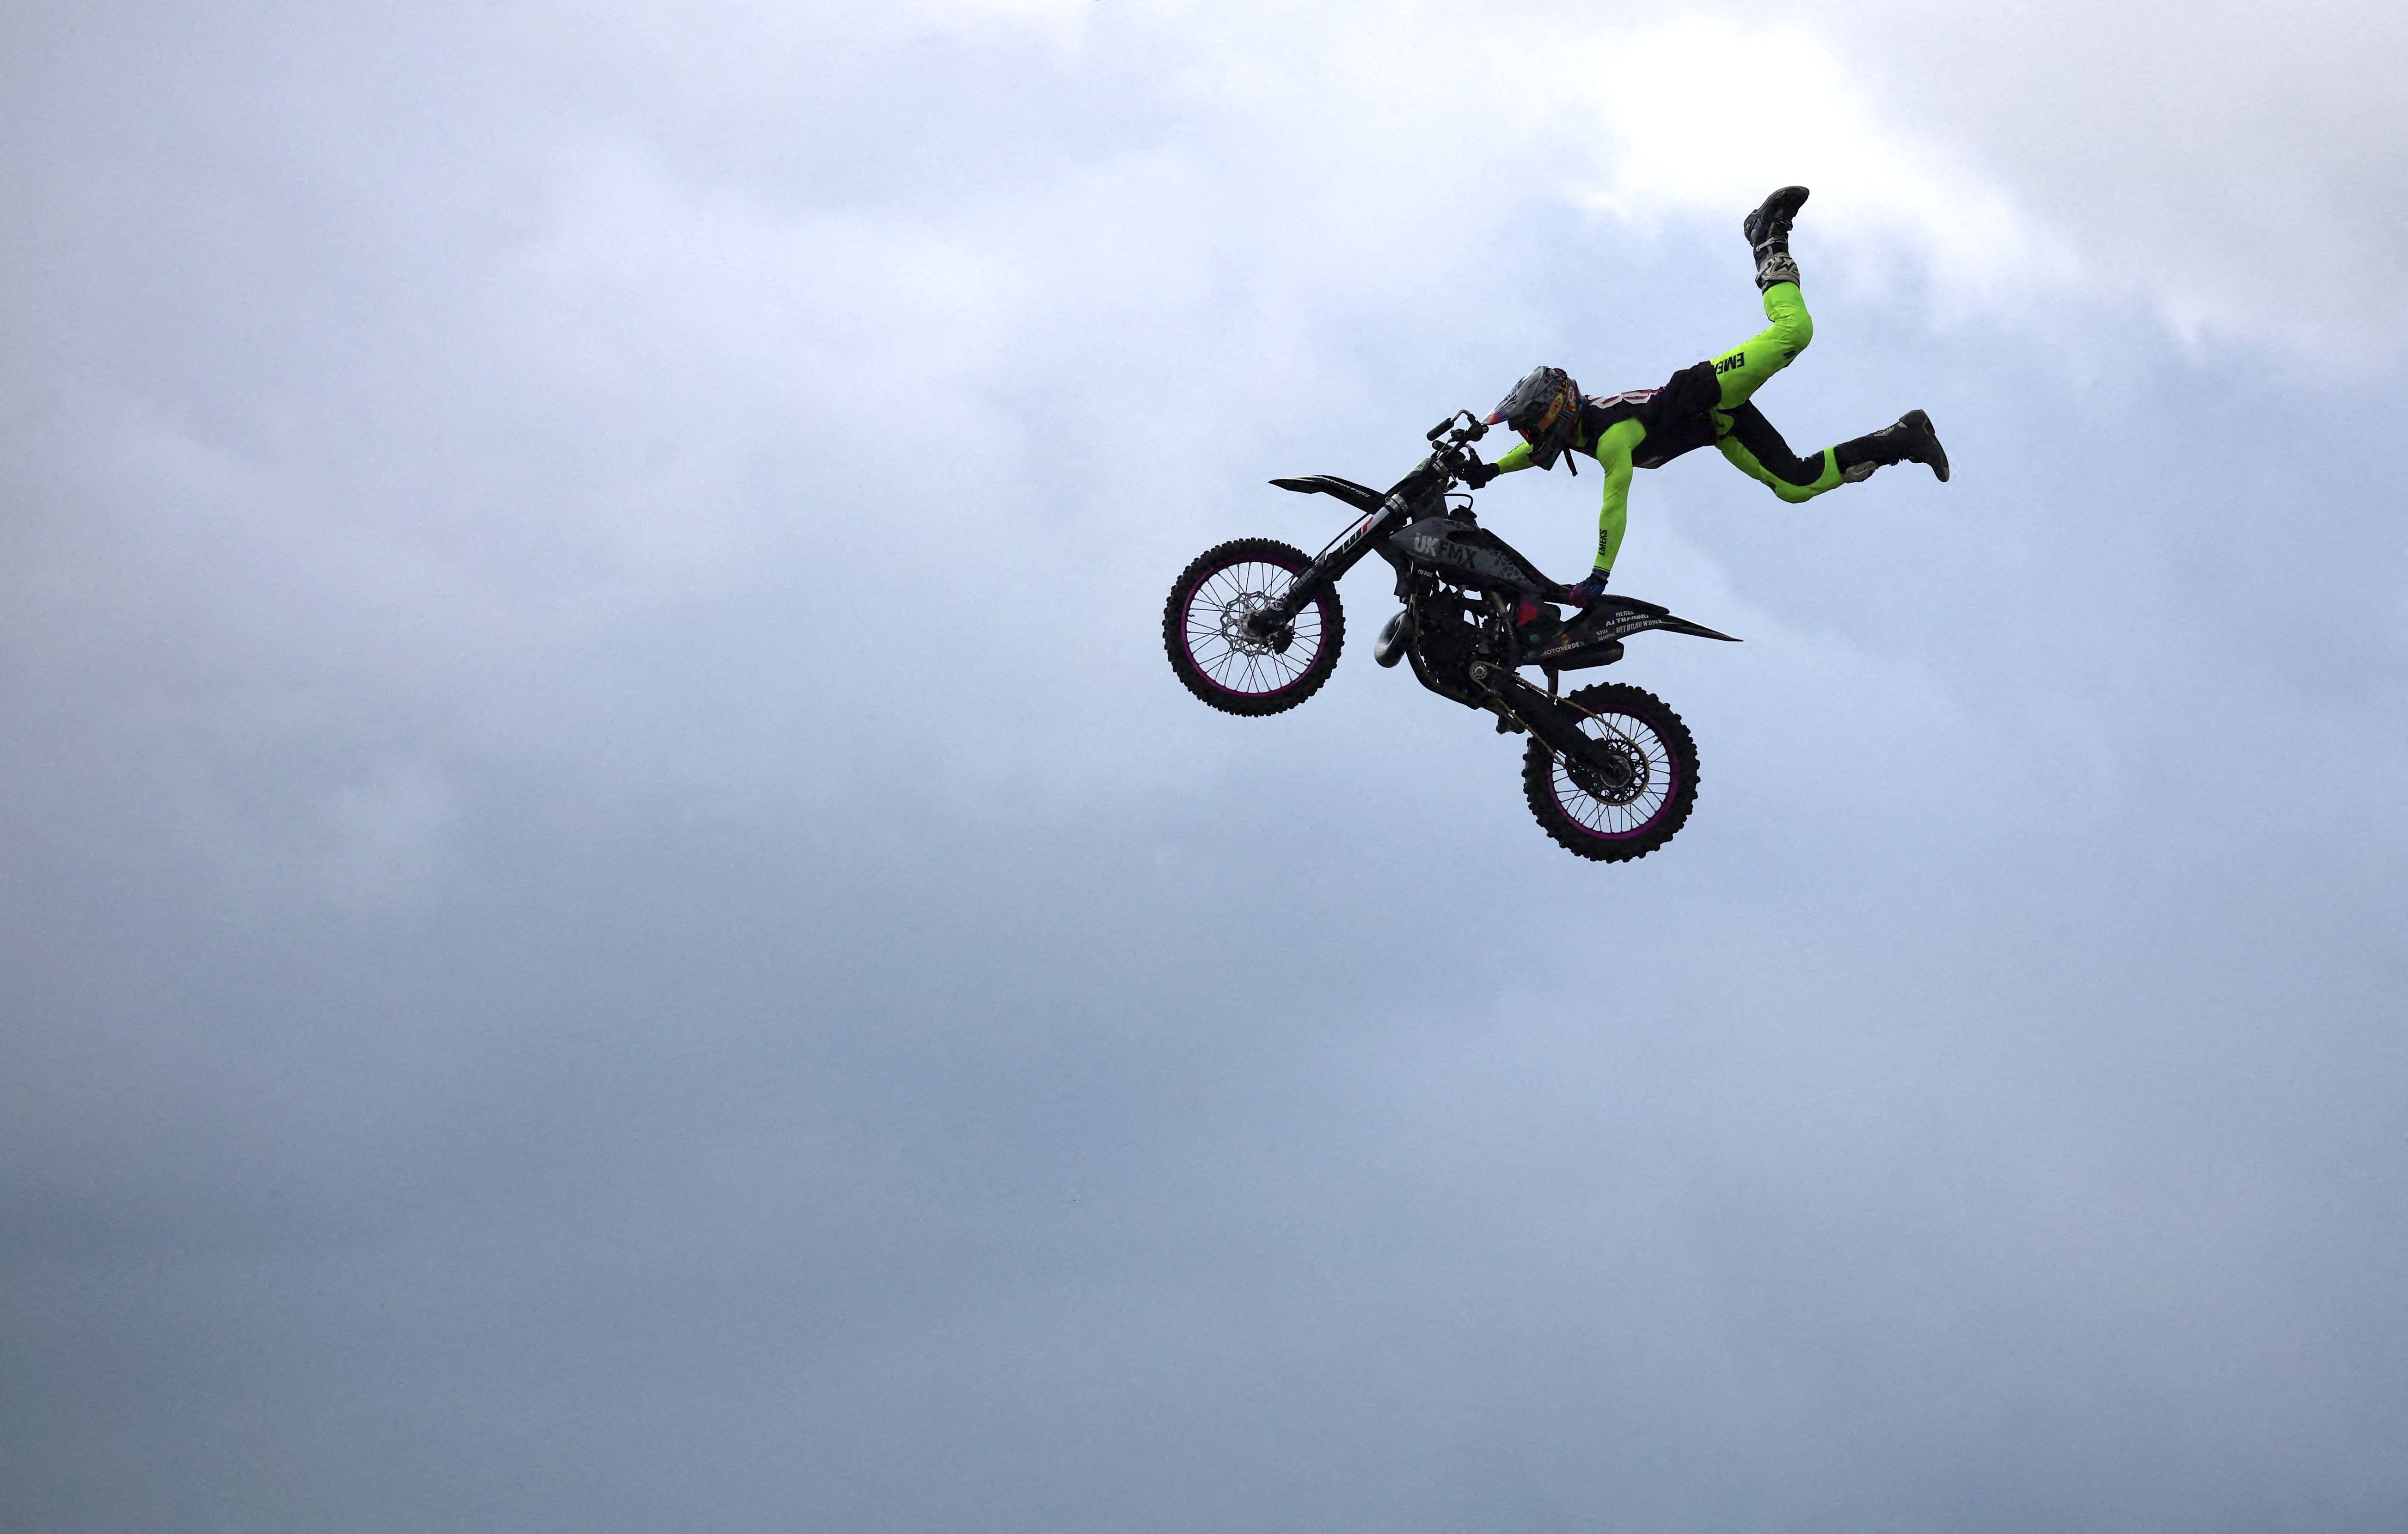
(610, 920)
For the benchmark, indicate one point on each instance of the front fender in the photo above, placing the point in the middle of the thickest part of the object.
(1361, 498)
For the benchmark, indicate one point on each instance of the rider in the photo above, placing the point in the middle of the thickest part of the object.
(1647, 428)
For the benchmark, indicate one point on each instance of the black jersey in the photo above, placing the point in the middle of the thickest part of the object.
(1678, 417)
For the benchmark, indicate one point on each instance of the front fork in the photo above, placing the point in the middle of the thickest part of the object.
(1335, 561)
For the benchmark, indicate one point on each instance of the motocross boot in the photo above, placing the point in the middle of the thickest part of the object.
(1908, 440)
(1768, 235)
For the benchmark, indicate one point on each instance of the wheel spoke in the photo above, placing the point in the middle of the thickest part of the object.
(1217, 608)
(1221, 645)
(1578, 795)
(1604, 817)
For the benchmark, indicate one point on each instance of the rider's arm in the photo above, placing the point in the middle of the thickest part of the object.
(1614, 446)
(1516, 456)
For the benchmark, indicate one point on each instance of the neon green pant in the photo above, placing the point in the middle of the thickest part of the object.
(1741, 430)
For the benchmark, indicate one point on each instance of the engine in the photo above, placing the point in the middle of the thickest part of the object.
(1446, 641)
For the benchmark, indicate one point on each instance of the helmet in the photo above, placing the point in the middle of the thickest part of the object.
(1545, 409)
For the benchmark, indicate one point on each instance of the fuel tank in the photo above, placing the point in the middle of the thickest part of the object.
(1469, 556)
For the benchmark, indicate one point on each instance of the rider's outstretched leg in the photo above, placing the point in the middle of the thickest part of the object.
(1743, 370)
(1756, 449)
(1741, 430)
(1747, 367)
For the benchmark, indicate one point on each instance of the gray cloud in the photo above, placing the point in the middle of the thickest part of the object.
(2237, 167)
(611, 919)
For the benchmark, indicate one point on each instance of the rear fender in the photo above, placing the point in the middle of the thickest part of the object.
(1616, 617)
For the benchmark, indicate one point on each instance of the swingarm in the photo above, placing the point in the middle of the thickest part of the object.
(1548, 719)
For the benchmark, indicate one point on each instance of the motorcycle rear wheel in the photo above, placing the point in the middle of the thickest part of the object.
(1222, 662)
(1617, 818)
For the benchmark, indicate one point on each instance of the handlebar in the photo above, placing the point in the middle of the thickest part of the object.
(1452, 438)
(1472, 429)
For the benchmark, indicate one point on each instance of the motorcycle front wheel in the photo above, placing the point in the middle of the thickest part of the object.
(1631, 808)
(1237, 666)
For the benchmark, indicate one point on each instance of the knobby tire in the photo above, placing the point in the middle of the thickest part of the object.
(1217, 660)
(1585, 820)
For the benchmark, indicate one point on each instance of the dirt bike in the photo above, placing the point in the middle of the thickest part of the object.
(1253, 628)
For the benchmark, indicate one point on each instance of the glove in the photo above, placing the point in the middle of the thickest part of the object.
(1587, 591)
(1475, 474)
